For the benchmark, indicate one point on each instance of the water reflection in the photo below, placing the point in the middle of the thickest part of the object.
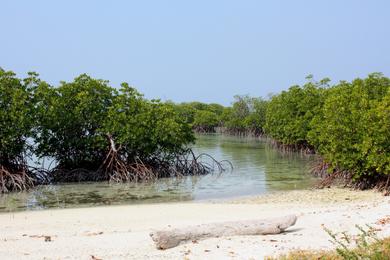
(258, 169)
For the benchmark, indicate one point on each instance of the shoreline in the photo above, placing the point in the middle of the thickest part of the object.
(122, 231)
(278, 196)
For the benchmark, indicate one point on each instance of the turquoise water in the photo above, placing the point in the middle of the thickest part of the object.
(258, 169)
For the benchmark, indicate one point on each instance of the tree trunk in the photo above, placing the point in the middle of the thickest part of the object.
(173, 237)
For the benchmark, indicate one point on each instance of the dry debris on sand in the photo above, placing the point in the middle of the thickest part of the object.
(122, 232)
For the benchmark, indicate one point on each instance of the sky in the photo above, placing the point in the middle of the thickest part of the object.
(199, 50)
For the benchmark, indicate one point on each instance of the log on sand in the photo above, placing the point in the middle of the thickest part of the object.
(169, 238)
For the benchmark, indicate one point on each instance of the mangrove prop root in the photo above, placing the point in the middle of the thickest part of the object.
(117, 166)
(114, 167)
(169, 238)
(118, 169)
(303, 148)
(345, 178)
(239, 131)
(14, 178)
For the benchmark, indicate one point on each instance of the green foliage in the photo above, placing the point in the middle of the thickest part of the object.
(77, 122)
(77, 118)
(201, 116)
(226, 116)
(215, 108)
(376, 144)
(289, 114)
(246, 114)
(205, 120)
(70, 121)
(16, 114)
(239, 111)
(347, 124)
(17, 121)
(365, 245)
(186, 111)
(256, 118)
(145, 128)
(352, 131)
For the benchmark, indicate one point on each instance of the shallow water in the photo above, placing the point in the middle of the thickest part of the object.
(258, 169)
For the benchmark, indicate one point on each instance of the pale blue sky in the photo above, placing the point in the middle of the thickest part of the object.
(196, 50)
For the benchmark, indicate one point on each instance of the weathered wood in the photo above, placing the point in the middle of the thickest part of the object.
(169, 238)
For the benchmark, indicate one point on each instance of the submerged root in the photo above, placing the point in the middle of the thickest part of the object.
(60, 174)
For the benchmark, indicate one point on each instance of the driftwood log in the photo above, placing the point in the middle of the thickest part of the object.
(169, 238)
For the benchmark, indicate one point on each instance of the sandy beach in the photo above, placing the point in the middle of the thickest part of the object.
(122, 232)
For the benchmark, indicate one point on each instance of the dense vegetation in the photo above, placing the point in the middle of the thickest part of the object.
(96, 132)
(348, 124)
(202, 117)
(91, 131)
(16, 125)
(290, 113)
(113, 134)
(246, 116)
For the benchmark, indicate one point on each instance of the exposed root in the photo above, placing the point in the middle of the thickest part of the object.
(117, 167)
(114, 167)
(320, 169)
(303, 148)
(240, 132)
(203, 129)
(346, 178)
(39, 175)
(234, 131)
(14, 177)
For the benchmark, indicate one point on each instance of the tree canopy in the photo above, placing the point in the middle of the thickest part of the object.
(94, 131)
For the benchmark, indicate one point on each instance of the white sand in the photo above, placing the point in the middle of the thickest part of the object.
(122, 232)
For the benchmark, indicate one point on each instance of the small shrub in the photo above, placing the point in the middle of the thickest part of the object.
(364, 246)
